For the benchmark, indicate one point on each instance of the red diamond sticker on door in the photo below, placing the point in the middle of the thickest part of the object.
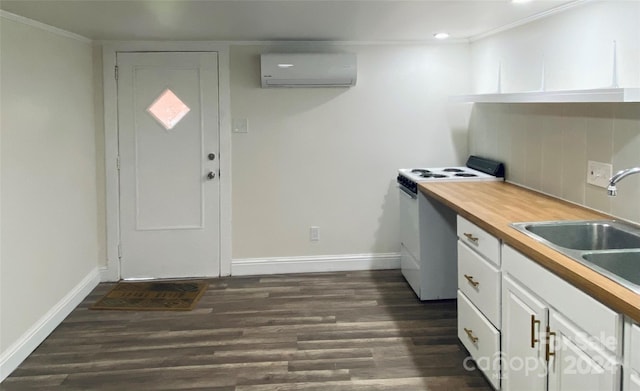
(168, 109)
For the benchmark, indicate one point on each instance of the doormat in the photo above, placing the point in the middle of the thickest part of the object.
(153, 296)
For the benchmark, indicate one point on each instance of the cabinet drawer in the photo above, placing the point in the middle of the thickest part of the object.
(634, 347)
(479, 240)
(480, 282)
(480, 338)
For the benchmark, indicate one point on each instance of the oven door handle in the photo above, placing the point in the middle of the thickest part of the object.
(407, 192)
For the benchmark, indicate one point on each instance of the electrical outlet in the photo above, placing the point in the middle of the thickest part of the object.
(598, 174)
(314, 234)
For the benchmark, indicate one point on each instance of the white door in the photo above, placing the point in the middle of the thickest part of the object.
(168, 143)
(524, 319)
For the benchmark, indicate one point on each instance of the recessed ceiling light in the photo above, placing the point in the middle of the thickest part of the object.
(441, 35)
(285, 65)
(520, 1)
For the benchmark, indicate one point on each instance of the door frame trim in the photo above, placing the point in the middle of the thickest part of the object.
(112, 188)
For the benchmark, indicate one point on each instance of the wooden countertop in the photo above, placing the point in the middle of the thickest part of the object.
(494, 205)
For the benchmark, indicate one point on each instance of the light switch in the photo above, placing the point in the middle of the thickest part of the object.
(240, 125)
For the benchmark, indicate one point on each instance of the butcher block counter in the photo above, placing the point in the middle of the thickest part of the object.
(495, 205)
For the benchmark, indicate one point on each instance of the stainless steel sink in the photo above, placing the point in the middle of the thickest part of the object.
(610, 247)
(586, 235)
(622, 263)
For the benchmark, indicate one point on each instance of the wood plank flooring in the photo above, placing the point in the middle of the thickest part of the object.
(362, 330)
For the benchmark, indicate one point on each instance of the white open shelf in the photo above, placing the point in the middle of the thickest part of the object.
(567, 96)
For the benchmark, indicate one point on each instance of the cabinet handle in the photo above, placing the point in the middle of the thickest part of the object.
(472, 238)
(547, 351)
(470, 279)
(533, 331)
(469, 332)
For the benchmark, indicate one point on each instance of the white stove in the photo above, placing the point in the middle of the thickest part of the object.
(446, 174)
(428, 248)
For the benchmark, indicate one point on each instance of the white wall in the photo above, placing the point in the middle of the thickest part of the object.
(48, 161)
(576, 47)
(329, 157)
(546, 146)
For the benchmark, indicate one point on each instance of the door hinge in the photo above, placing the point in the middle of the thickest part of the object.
(118, 162)
(119, 251)
(116, 72)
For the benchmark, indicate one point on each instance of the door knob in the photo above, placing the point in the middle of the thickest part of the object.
(211, 175)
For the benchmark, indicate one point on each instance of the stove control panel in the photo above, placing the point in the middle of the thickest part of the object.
(408, 184)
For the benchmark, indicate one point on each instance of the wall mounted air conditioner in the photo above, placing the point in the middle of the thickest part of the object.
(308, 70)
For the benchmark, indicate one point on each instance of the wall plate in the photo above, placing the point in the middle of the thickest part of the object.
(598, 174)
(240, 125)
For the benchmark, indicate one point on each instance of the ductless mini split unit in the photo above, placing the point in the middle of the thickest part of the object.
(308, 70)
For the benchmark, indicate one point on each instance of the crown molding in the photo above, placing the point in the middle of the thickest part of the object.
(528, 20)
(45, 27)
(294, 43)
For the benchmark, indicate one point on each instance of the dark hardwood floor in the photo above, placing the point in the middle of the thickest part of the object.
(324, 331)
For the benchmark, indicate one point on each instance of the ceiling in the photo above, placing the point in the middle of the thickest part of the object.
(268, 20)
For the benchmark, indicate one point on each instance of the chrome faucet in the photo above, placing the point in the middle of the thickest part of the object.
(612, 190)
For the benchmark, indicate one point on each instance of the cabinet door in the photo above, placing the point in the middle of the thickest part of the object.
(523, 323)
(631, 370)
(634, 382)
(576, 363)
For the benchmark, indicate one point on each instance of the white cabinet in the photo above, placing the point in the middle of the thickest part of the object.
(576, 363)
(633, 346)
(523, 338)
(479, 297)
(529, 330)
(632, 356)
(543, 346)
(597, 320)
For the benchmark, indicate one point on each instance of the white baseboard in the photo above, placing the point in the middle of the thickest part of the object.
(29, 341)
(312, 264)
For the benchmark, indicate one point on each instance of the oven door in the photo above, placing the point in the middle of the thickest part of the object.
(410, 270)
(409, 238)
(409, 218)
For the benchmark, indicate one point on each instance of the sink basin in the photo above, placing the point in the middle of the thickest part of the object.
(585, 235)
(609, 247)
(625, 264)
